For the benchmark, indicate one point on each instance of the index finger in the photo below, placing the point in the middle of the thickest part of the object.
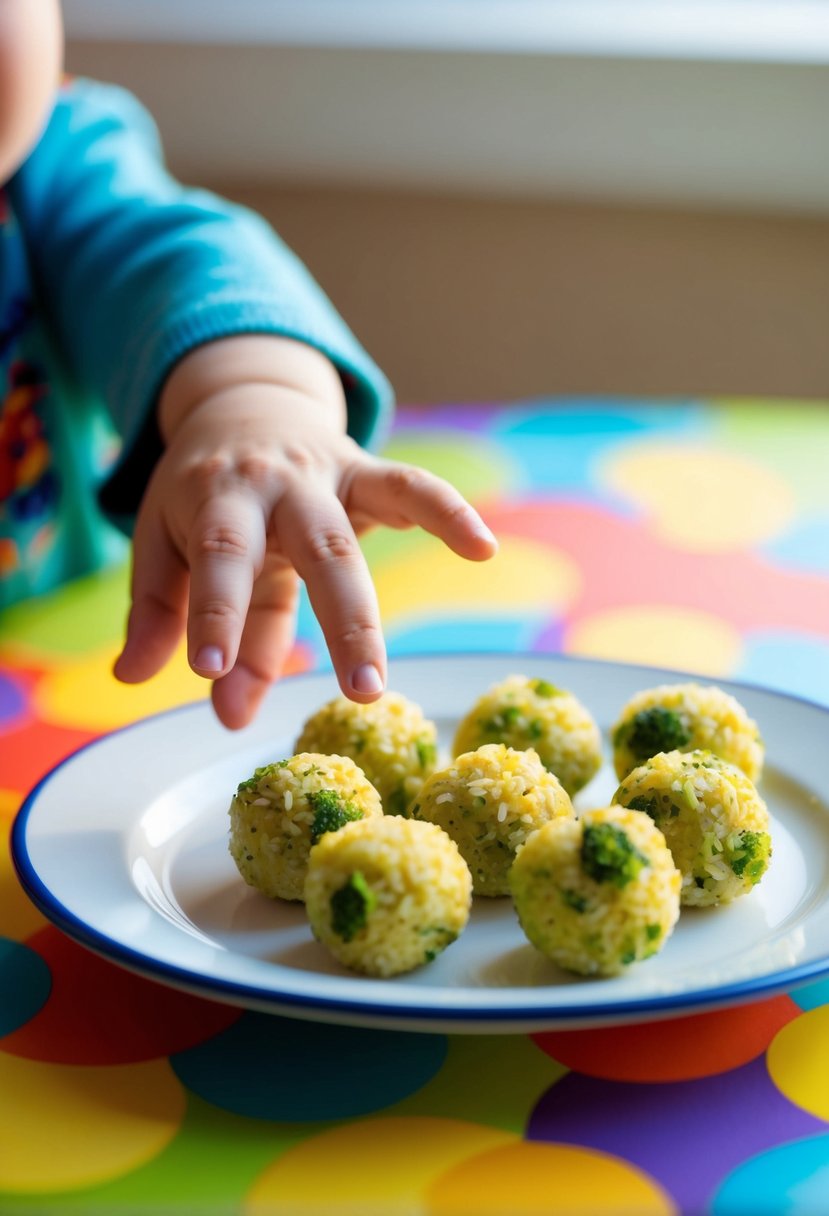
(317, 538)
(225, 552)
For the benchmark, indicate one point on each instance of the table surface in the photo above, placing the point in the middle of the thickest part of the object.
(685, 534)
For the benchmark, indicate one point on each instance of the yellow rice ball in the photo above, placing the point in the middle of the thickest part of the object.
(489, 801)
(285, 808)
(530, 713)
(713, 819)
(686, 717)
(390, 739)
(387, 895)
(597, 893)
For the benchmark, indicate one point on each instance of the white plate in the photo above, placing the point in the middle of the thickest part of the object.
(124, 846)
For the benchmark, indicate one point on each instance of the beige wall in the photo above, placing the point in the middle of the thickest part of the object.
(464, 298)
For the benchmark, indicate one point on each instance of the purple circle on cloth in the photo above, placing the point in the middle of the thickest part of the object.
(688, 1135)
(472, 417)
(12, 700)
(550, 639)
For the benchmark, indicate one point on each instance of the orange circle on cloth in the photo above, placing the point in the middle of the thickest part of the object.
(528, 1179)
(798, 1061)
(676, 1049)
(67, 1127)
(98, 1013)
(29, 753)
(371, 1166)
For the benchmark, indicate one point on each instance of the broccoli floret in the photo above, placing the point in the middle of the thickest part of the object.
(426, 752)
(246, 787)
(643, 803)
(331, 811)
(351, 907)
(506, 719)
(607, 855)
(543, 688)
(751, 857)
(653, 730)
(573, 900)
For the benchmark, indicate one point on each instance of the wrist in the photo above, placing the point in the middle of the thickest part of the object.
(209, 371)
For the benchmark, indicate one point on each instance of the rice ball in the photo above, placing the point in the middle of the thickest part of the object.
(387, 895)
(686, 717)
(713, 819)
(390, 739)
(597, 893)
(285, 808)
(529, 713)
(489, 801)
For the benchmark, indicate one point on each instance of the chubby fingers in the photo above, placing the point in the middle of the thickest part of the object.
(317, 538)
(158, 611)
(266, 643)
(225, 551)
(403, 496)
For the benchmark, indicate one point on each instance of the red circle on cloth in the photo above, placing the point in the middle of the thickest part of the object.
(28, 753)
(98, 1013)
(676, 1049)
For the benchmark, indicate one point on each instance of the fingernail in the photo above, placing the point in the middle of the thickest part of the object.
(209, 658)
(367, 679)
(484, 533)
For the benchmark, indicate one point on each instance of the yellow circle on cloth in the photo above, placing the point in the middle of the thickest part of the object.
(86, 695)
(798, 1061)
(702, 499)
(10, 801)
(522, 575)
(790, 437)
(527, 1178)
(67, 1127)
(374, 1165)
(19, 918)
(659, 636)
(470, 462)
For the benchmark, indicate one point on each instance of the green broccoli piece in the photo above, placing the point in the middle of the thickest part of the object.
(651, 731)
(543, 688)
(331, 811)
(426, 752)
(351, 907)
(573, 900)
(506, 719)
(643, 803)
(247, 787)
(607, 855)
(751, 857)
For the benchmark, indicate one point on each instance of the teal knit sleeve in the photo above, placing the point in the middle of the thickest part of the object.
(135, 270)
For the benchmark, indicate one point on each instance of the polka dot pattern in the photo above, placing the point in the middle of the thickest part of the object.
(678, 533)
(294, 1063)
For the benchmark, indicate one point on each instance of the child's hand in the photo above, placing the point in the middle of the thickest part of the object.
(259, 486)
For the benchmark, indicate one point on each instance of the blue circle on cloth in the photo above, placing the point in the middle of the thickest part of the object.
(12, 699)
(25, 982)
(269, 1067)
(789, 1180)
(459, 634)
(811, 996)
(804, 547)
(788, 661)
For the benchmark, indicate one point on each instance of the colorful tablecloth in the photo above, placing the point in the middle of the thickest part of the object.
(685, 534)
